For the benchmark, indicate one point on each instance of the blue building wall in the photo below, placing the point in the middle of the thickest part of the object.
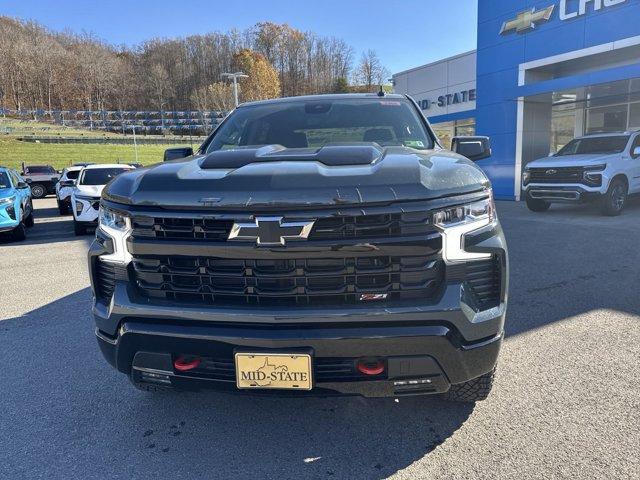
(499, 57)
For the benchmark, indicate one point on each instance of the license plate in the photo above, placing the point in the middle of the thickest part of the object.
(273, 370)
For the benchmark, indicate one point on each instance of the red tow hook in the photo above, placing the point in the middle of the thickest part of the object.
(183, 365)
(370, 367)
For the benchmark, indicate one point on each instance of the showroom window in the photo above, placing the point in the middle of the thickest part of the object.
(445, 131)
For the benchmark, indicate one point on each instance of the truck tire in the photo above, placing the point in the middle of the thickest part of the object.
(474, 390)
(615, 199)
(38, 191)
(536, 205)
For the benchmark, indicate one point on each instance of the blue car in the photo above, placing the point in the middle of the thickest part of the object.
(16, 207)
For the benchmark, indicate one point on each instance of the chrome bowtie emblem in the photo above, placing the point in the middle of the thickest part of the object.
(270, 231)
(527, 20)
(551, 171)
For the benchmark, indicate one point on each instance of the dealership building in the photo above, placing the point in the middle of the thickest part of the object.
(543, 73)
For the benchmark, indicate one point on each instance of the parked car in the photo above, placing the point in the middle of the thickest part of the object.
(325, 243)
(85, 197)
(16, 207)
(41, 178)
(64, 188)
(603, 168)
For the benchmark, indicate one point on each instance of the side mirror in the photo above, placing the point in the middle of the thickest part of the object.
(67, 183)
(22, 185)
(176, 153)
(636, 152)
(474, 148)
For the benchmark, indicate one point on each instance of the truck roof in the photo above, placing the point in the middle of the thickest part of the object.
(326, 97)
(106, 165)
(609, 134)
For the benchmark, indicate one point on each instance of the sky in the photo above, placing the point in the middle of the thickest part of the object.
(405, 34)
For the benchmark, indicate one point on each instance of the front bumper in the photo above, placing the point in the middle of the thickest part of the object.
(565, 193)
(419, 359)
(445, 342)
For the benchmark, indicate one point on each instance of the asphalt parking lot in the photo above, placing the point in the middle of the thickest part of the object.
(565, 404)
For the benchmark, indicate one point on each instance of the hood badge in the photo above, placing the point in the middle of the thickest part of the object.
(271, 231)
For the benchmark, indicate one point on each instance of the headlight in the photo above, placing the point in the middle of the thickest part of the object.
(593, 175)
(526, 176)
(118, 227)
(6, 200)
(456, 222)
(110, 219)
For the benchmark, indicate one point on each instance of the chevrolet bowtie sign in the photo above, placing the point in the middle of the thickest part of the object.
(529, 19)
(270, 231)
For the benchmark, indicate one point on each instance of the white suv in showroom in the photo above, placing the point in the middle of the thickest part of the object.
(601, 167)
(85, 199)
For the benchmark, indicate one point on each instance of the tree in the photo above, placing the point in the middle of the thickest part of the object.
(370, 72)
(341, 85)
(262, 82)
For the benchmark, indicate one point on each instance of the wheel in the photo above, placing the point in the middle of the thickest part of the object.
(20, 232)
(79, 229)
(472, 391)
(63, 208)
(614, 200)
(28, 221)
(38, 191)
(536, 205)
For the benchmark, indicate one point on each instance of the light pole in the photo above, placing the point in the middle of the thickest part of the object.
(235, 76)
(135, 144)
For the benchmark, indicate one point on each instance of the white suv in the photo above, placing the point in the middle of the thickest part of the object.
(85, 199)
(64, 188)
(600, 167)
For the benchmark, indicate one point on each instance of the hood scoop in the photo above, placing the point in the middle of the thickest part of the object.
(332, 155)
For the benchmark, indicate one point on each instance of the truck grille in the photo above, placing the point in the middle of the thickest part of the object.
(284, 282)
(484, 281)
(326, 228)
(556, 175)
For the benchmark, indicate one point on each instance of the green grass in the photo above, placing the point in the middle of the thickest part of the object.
(60, 155)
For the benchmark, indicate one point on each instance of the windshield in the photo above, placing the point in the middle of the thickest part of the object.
(4, 180)
(314, 124)
(39, 170)
(73, 174)
(100, 176)
(588, 145)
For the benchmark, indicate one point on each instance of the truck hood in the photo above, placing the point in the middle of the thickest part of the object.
(584, 160)
(268, 178)
(89, 190)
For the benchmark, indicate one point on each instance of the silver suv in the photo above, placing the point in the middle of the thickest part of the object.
(602, 167)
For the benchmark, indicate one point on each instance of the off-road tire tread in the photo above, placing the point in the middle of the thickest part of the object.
(474, 390)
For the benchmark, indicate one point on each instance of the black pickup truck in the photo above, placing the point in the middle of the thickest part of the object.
(313, 245)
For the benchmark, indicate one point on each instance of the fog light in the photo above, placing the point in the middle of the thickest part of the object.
(78, 207)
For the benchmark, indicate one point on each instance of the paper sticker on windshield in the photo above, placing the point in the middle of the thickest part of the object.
(390, 103)
(414, 143)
